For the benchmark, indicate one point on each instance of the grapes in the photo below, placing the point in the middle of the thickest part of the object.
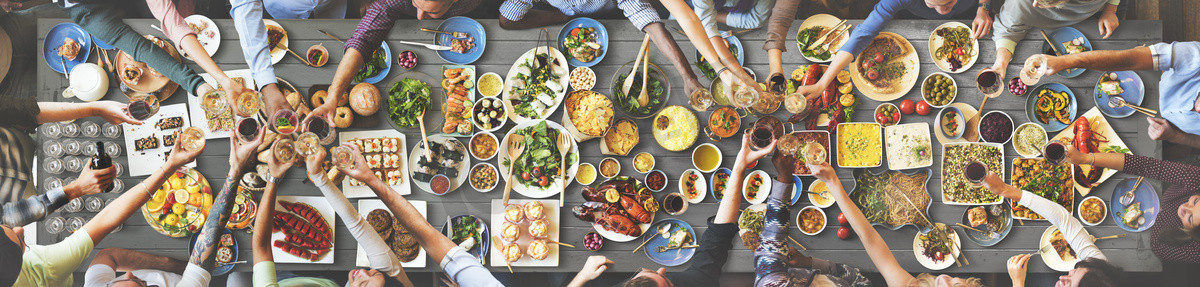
(592, 241)
(1016, 86)
(407, 59)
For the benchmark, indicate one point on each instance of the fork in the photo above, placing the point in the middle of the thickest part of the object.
(452, 34)
(564, 146)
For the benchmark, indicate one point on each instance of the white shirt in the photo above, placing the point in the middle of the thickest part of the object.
(100, 275)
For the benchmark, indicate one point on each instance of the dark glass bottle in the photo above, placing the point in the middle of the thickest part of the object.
(102, 160)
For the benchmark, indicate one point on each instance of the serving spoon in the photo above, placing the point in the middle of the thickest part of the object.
(629, 79)
(662, 230)
(425, 137)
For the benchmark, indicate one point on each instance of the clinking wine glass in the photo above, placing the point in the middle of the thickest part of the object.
(744, 97)
(989, 83)
(1055, 151)
(307, 143)
(974, 172)
(701, 100)
(193, 138)
(322, 127)
(247, 129)
(343, 156)
(248, 104)
(142, 106)
(214, 102)
(1035, 67)
(284, 150)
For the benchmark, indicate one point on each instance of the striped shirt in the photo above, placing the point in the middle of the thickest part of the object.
(640, 12)
(16, 156)
(379, 18)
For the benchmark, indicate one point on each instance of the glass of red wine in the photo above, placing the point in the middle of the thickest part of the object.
(674, 204)
(247, 129)
(975, 172)
(762, 136)
(989, 83)
(321, 127)
(1055, 151)
(142, 106)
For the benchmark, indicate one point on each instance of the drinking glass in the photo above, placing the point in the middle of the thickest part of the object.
(118, 168)
(248, 104)
(53, 165)
(307, 143)
(72, 147)
(112, 149)
(89, 150)
(75, 205)
(52, 183)
(285, 122)
(1033, 70)
(343, 156)
(675, 198)
(701, 100)
(70, 129)
(52, 149)
(74, 163)
(1055, 151)
(74, 223)
(247, 129)
(975, 172)
(118, 186)
(51, 130)
(110, 130)
(90, 129)
(744, 97)
(56, 225)
(193, 138)
(93, 204)
(322, 127)
(284, 150)
(989, 83)
(142, 106)
(214, 102)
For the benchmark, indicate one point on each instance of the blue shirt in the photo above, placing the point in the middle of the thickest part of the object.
(886, 10)
(252, 34)
(640, 12)
(306, 9)
(1180, 83)
(752, 18)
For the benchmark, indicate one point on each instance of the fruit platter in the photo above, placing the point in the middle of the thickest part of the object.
(180, 207)
(620, 209)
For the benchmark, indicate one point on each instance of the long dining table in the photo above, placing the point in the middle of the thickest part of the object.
(502, 49)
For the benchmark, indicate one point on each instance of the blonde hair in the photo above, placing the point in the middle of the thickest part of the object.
(927, 280)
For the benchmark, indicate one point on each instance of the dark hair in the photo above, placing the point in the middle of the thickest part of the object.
(639, 281)
(1178, 236)
(10, 261)
(744, 5)
(1100, 273)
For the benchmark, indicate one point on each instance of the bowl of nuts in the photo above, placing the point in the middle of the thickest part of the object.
(583, 78)
(484, 177)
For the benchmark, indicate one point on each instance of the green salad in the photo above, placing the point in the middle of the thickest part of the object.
(540, 162)
(372, 67)
(807, 36)
(654, 88)
(707, 69)
(409, 97)
(536, 85)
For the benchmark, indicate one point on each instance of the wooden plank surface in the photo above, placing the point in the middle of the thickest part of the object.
(505, 46)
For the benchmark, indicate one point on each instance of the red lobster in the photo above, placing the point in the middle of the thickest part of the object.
(619, 224)
(1087, 141)
(635, 209)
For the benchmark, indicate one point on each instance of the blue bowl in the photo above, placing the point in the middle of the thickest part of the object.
(584, 22)
(387, 60)
(982, 239)
(1145, 194)
(1059, 36)
(461, 24)
(481, 248)
(55, 38)
(712, 180)
(1053, 125)
(670, 257)
(1134, 93)
(219, 269)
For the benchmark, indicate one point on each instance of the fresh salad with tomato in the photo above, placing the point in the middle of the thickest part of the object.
(582, 45)
(539, 163)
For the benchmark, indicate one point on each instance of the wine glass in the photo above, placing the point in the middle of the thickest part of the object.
(214, 102)
(70, 129)
(112, 149)
(110, 131)
(701, 100)
(72, 147)
(90, 129)
(52, 149)
(193, 138)
(307, 143)
(51, 130)
(142, 106)
(1035, 67)
(343, 156)
(248, 104)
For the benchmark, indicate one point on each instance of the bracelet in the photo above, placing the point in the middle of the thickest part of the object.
(987, 6)
(1093, 159)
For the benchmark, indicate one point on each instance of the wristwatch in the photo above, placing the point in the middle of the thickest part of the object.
(270, 178)
(987, 6)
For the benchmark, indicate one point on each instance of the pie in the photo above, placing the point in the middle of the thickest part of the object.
(886, 65)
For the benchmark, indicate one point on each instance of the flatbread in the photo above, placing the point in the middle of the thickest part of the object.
(896, 87)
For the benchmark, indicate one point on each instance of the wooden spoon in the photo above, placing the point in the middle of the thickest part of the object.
(424, 136)
(644, 98)
(629, 79)
(516, 145)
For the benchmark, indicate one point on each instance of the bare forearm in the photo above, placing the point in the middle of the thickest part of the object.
(1109, 160)
(729, 60)
(218, 216)
(731, 203)
(352, 61)
(840, 61)
(666, 44)
(263, 223)
(125, 260)
(430, 239)
(1186, 139)
(534, 18)
(117, 212)
(876, 248)
(60, 111)
(694, 31)
(193, 48)
(1107, 60)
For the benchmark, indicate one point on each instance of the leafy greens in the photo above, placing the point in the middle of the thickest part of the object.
(409, 97)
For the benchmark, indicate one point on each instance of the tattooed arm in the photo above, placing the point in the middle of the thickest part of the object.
(117, 212)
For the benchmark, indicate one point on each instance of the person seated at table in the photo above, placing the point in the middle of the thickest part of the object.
(304, 9)
(710, 48)
(1093, 269)
(714, 243)
(893, 274)
(139, 267)
(782, 16)
(28, 264)
(884, 12)
(252, 35)
(1020, 16)
(1178, 87)
(520, 14)
(740, 14)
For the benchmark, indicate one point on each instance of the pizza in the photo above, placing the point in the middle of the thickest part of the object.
(886, 65)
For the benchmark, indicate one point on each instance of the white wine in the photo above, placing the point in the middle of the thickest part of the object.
(193, 138)
(343, 157)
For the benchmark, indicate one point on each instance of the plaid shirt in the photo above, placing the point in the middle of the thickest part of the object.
(379, 18)
(640, 12)
(25, 211)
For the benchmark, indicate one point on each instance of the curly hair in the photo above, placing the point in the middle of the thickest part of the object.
(927, 280)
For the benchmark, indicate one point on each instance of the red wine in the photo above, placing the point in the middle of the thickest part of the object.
(987, 79)
(762, 136)
(1055, 152)
(674, 204)
(102, 161)
(247, 129)
(976, 171)
(320, 127)
(140, 110)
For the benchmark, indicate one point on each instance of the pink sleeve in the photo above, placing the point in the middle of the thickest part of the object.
(172, 22)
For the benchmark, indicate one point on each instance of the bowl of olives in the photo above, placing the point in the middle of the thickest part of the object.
(939, 89)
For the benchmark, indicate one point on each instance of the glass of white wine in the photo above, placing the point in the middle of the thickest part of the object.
(248, 104)
(343, 156)
(284, 150)
(307, 143)
(214, 102)
(193, 138)
(744, 97)
(1035, 67)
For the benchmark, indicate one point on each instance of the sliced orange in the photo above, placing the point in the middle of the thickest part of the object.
(154, 206)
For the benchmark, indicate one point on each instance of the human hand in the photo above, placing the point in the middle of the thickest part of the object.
(90, 181)
(113, 112)
(1161, 129)
(359, 171)
(595, 265)
(276, 168)
(747, 155)
(1074, 155)
(1001, 70)
(997, 186)
(982, 24)
(1017, 265)
(274, 99)
(315, 163)
(811, 92)
(691, 86)
(242, 152)
(180, 156)
(325, 111)
(1108, 23)
(785, 165)
(823, 172)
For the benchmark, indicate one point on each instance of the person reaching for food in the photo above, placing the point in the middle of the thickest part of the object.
(715, 243)
(715, 49)
(252, 35)
(1019, 17)
(739, 14)
(893, 274)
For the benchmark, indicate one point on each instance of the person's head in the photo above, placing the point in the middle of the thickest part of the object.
(1189, 216)
(432, 9)
(363, 277)
(12, 245)
(648, 278)
(1048, 4)
(941, 6)
(927, 280)
(1092, 272)
(128, 280)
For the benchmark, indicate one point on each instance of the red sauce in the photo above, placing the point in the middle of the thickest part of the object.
(656, 180)
(440, 184)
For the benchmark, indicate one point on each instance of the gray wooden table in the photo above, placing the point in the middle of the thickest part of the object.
(1132, 253)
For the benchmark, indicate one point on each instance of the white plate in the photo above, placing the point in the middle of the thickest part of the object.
(1102, 203)
(278, 54)
(1051, 257)
(1100, 125)
(210, 43)
(928, 262)
(555, 185)
(496, 257)
(701, 186)
(196, 109)
(827, 21)
(363, 190)
(322, 206)
(563, 80)
(764, 191)
(935, 41)
(366, 206)
(150, 159)
(418, 151)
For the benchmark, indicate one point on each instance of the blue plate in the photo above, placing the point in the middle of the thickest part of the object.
(481, 248)
(1059, 36)
(220, 269)
(741, 56)
(55, 38)
(387, 60)
(670, 257)
(982, 239)
(1144, 194)
(1053, 125)
(584, 22)
(712, 182)
(102, 44)
(461, 24)
(1133, 94)
(797, 189)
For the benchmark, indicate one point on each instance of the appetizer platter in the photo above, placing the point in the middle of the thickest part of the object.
(180, 206)
(1093, 211)
(539, 165)
(226, 254)
(1067, 40)
(1092, 132)
(952, 48)
(220, 125)
(994, 220)
(620, 209)
(303, 230)
(859, 145)
(1051, 105)
(585, 41)
(804, 146)
(813, 46)
(1044, 179)
(956, 190)
(530, 226)
(1061, 257)
(151, 142)
(536, 84)
(457, 107)
(408, 98)
(462, 50)
(674, 247)
(887, 68)
(757, 187)
(277, 40)
(587, 114)
(398, 237)
(938, 248)
(384, 152)
(1134, 207)
(908, 146)
(449, 158)
(692, 186)
(206, 33)
(620, 138)
(1125, 84)
(719, 180)
(890, 199)
(675, 128)
(836, 104)
(66, 44)
(658, 88)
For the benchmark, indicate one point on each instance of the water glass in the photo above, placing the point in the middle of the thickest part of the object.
(112, 149)
(70, 129)
(90, 129)
(89, 150)
(56, 225)
(53, 165)
(110, 130)
(94, 204)
(52, 183)
(72, 147)
(74, 163)
(51, 130)
(119, 168)
(118, 186)
(74, 223)
(52, 149)
(75, 205)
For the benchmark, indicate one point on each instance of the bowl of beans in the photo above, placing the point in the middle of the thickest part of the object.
(583, 78)
(995, 127)
(484, 177)
(939, 89)
(656, 180)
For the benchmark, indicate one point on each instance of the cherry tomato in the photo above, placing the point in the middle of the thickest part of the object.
(842, 219)
(896, 117)
(866, 65)
(878, 57)
(575, 32)
(959, 51)
(544, 181)
(843, 232)
(882, 119)
(923, 108)
(525, 176)
(907, 106)
(537, 171)
(872, 74)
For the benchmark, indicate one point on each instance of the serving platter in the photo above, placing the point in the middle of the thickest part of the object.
(876, 137)
(563, 81)
(322, 206)
(150, 159)
(893, 145)
(552, 212)
(898, 199)
(365, 206)
(905, 83)
(469, 70)
(962, 163)
(555, 186)
(358, 191)
(1042, 187)
(1099, 124)
(617, 237)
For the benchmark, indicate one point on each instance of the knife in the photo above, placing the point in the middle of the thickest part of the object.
(428, 46)
(331, 36)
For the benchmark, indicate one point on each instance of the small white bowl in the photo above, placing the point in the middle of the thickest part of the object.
(1102, 203)
(701, 186)
(646, 180)
(880, 107)
(497, 76)
(953, 96)
(823, 217)
(1037, 152)
(653, 161)
(503, 115)
(599, 167)
(1011, 131)
(584, 72)
(962, 126)
(595, 174)
(763, 191)
(484, 134)
(720, 157)
(484, 165)
(812, 197)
